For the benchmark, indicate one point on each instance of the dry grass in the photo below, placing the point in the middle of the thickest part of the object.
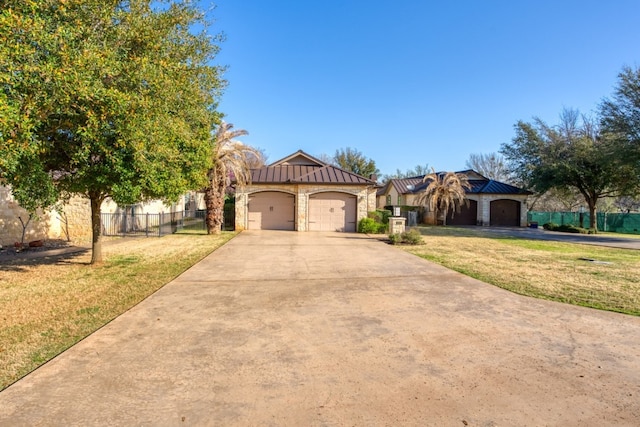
(550, 270)
(49, 305)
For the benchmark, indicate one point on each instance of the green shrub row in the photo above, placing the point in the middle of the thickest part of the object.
(567, 228)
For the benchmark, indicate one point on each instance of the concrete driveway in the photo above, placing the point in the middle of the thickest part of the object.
(285, 328)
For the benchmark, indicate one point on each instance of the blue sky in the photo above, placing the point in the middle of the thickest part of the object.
(414, 82)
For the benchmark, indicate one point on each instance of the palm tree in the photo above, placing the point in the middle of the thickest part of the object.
(445, 191)
(230, 159)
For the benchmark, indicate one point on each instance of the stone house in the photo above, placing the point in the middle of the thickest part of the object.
(490, 202)
(300, 192)
(73, 220)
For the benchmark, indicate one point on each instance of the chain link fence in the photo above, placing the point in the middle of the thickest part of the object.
(628, 223)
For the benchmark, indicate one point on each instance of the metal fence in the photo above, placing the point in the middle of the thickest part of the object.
(149, 224)
(628, 223)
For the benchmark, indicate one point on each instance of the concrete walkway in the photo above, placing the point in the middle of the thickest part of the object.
(314, 329)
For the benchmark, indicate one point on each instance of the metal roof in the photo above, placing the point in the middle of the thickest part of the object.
(479, 185)
(497, 187)
(301, 168)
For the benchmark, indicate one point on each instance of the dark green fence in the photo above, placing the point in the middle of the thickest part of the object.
(151, 224)
(628, 223)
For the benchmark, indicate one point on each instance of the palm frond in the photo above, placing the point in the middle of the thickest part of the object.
(444, 191)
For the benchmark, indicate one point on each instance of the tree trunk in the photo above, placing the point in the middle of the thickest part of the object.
(214, 200)
(593, 219)
(96, 243)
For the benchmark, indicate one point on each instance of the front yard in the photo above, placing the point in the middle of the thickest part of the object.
(47, 306)
(591, 276)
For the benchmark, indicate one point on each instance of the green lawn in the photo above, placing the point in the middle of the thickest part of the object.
(47, 306)
(587, 275)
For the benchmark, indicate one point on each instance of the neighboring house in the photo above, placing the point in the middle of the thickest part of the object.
(72, 221)
(303, 193)
(490, 202)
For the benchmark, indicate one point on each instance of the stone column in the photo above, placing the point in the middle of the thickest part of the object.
(302, 203)
(396, 225)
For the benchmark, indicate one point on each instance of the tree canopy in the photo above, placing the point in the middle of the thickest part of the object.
(105, 98)
(573, 154)
(354, 161)
(491, 165)
(419, 170)
(620, 119)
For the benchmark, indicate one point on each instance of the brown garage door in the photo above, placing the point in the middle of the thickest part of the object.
(271, 210)
(332, 212)
(505, 212)
(468, 214)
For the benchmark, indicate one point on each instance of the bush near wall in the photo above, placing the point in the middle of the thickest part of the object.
(376, 222)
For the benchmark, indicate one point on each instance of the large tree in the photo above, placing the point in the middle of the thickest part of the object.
(620, 119)
(105, 98)
(354, 161)
(491, 165)
(230, 160)
(417, 171)
(446, 191)
(572, 154)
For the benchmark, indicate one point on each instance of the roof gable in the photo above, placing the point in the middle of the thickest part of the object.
(299, 158)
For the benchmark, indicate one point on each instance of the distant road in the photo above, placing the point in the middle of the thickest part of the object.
(621, 241)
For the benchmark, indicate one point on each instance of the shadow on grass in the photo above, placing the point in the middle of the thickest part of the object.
(18, 262)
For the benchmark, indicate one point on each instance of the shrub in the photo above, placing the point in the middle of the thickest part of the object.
(368, 226)
(380, 215)
(412, 237)
(375, 223)
(565, 228)
(384, 214)
(568, 228)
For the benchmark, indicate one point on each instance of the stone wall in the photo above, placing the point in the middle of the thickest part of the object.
(75, 220)
(71, 222)
(40, 226)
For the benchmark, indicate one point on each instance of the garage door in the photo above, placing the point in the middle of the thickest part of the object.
(468, 214)
(505, 212)
(271, 210)
(332, 212)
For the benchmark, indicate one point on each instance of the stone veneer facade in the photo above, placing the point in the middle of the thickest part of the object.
(366, 200)
(484, 206)
(72, 222)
